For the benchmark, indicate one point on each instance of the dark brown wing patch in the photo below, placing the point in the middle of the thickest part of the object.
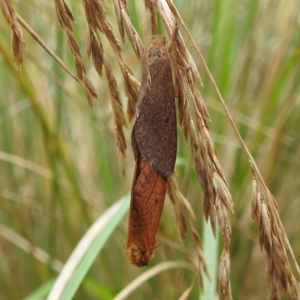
(155, 126)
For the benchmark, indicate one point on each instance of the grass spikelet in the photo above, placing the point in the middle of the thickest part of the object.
(95, 50)
(17, 39)
(117, 107)
(120, 5)
(273, 239)
(224, 274)
(150, 6)
(132, 88)
(97, 20)
(132, 35)
(65, 17)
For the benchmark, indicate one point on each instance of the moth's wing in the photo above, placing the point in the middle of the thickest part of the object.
(150, 191)
(147, 200)
(155, 130)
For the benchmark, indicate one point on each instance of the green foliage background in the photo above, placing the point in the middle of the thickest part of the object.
(59, 167)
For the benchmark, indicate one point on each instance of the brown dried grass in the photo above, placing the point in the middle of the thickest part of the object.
(217, 199)
(17, 39)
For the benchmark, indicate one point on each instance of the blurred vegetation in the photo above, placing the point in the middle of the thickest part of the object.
(59, 162)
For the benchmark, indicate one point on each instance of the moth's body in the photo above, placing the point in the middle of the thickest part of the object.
(154, 142)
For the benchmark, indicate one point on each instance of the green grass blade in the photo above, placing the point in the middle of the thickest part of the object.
(210, 251)
(42, 291)
(86, 251)
(98, 290)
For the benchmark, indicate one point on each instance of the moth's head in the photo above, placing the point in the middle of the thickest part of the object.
(157, 49)
(138, 256)
(153, 54)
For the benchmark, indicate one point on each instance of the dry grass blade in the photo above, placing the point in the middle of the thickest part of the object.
(23, 163)
(185, 295)
(17, 39)
(150, 273)
(27, 246)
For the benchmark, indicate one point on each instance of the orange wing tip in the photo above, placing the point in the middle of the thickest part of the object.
(137, 256)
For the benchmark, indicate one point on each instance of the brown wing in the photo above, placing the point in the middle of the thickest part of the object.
(147, 200)
(154, 130)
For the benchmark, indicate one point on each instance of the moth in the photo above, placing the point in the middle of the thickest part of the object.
(154, 143)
